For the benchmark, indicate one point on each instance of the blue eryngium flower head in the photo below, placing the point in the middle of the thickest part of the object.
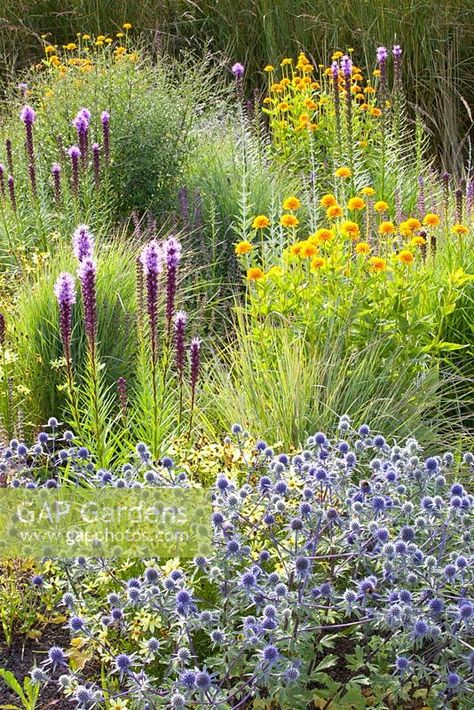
(270, 654)
(402, 664)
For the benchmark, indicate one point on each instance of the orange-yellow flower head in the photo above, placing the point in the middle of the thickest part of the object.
(381, 206)
(243, 248)
(368, 191)
(328, 200)
(318, 263)
(291, 203)
(362, 248)
(269, 68)
(431, 220)
(255, 274)
(289, 220)
(406, 256)
(418, 241)
(376, 263)
(334, 211)
(322, 235)
(343, 172)
(308, 249)
(413, 223)
(260, 222)
(350, 229)
(356, 203)
(295, 249)
(386, 228)
(459, 229)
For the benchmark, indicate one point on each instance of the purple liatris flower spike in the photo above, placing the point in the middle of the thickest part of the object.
(65, 292)
(105, 120)
(172, 256)
(2, 180)
(184, 207)
(28, 116)
(195, 356)
(9, 151)
(152, 261)
(96, 162)
(23, 88)
(382, 56)
(397, 65)
(83, 243)
(56, 172)
(2, 330)
(195, 360)
(81, 124)
(87, 275)
(469, 197)
(180, 320)
(335, 70)
(238, 70)
(11, 190)
(122, 393)
(346, 66)
(74, 153)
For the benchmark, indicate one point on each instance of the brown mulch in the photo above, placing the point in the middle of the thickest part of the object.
(20, 658)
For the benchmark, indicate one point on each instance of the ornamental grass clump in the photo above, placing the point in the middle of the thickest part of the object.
(339, 574)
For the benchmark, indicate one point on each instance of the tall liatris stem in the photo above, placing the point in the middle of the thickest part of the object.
(346, 66)
(195, 355)
(105, 119)
(28, 116)
(180, 350)
(65, 292)
(397, 67)
(152, 262)
(238, 71)
(337, 103)
(83, 245)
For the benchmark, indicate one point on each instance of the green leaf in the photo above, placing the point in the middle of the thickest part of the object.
(13, 684)
(328, 662)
